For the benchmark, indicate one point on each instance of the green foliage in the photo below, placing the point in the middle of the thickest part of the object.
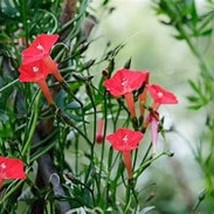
(191, 26)
(66, 168)
(65, 165)
(199, 99)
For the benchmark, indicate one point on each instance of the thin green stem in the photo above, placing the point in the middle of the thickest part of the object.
(135, 158)
(42, 142)
(104, 135)
(15, 186)
(145, 164)
(23, 4)
(61, 146)
(110, 156)
(114, 182)
(67, 88)
(68, 121)
(76, 155)
(91, 166)
(77, 21)
(9, 85)
(128, 199)
(41, 152)
(31, 127)
(147, 153)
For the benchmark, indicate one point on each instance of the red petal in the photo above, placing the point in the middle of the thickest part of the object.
(39, 48)
(161, 96)
(135, 78)
(125, 139)
(11, 168)
(125, 81)
(33, 72)
(114, 87)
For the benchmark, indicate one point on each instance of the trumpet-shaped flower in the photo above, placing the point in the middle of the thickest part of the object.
(125, 140)
(11, 169)
(36, 71)
(161, 96)
(33, 72)
(40, 50)
(124, 82)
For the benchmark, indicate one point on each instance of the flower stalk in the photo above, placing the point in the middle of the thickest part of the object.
(127, 157)
(44, 87)
(130, 104)
(53, 67)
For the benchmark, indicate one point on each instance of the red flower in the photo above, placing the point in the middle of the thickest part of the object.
(124, 82)
(161, 96)
(36, 71)
(125, 140)
(40, 50)
(33, 72)
(11, 168)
